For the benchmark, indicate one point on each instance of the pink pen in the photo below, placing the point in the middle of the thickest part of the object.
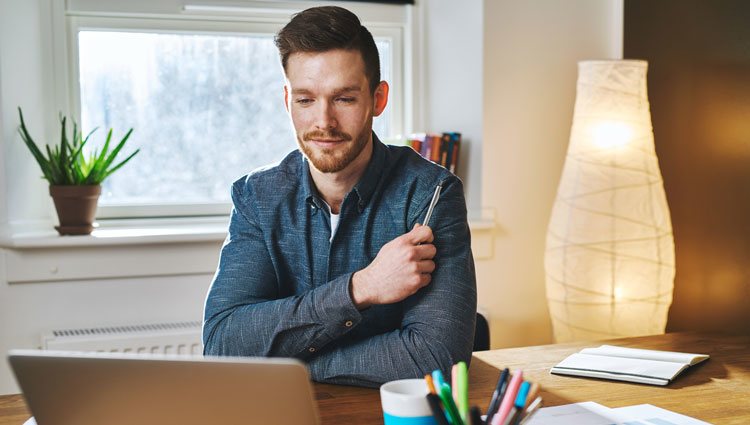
(454, 385)
(510, 397)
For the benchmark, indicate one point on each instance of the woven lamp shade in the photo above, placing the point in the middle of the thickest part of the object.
(609, 258)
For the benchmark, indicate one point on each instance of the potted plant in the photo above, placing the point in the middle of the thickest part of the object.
(74, 177)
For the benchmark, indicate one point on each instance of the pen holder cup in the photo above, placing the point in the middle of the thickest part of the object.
(405, 403)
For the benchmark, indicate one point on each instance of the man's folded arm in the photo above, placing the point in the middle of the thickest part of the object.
(437, 329)
(244, 315)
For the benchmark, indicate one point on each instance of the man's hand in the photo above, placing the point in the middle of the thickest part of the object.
(401, 268)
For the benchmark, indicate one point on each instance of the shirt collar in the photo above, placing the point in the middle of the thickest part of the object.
(364, 187)
(311, 194)
(371, 177)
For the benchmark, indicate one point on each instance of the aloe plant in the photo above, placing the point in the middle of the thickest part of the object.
(67, 164)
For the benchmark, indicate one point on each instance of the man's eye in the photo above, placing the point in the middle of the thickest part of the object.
(304, 101)
(346, 99)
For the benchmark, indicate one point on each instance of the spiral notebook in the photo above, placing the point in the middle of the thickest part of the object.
(628, 364)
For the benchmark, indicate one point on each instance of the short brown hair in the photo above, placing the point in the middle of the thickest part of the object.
(320, 29)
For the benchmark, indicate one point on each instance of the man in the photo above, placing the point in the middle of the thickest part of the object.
(325, 259)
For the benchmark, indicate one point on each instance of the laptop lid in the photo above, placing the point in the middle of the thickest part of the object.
(74, 388)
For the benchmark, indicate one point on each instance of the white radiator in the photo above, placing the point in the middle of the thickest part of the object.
(163, 338)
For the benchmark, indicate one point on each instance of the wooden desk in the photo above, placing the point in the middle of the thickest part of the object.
(717, 391)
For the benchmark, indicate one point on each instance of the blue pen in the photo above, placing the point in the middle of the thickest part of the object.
(497, 396)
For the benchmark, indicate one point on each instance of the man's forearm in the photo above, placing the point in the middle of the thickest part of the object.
(298, 326)
(410, 352)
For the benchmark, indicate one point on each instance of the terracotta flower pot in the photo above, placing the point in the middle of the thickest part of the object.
(76, 208)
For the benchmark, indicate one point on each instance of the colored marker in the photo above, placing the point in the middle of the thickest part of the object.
(447, 398)
(531, 410)
(476, 416)
(533, 391)
(430, 384)
(438, 380)
(518, 405)
(509, 399)
(437, 410)
(497, 396)
(462, 390)
(454, 386)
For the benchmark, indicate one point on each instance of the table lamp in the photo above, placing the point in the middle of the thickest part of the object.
(609, 258)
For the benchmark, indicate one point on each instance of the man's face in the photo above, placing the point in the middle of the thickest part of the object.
(328, 97)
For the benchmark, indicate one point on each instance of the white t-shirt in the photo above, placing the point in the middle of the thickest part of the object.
(334, 225)
(334, 221)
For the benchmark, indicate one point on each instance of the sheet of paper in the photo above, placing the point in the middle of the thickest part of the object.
(652, 415)
(590, 413)
(587, 413)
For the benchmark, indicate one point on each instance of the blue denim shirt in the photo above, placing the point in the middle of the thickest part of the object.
(282, 287)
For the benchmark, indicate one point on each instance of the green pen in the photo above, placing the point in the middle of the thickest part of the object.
(447, 398)
(462, 390)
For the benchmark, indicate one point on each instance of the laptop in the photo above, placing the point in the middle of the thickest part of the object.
(75, 388)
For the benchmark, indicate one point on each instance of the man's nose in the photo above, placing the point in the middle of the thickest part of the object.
(325, 118)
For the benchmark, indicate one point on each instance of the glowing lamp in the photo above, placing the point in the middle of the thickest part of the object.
(609, 258)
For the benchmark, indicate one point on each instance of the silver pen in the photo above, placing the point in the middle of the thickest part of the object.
(433, 202)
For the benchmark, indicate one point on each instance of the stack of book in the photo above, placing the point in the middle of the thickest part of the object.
(442, 149)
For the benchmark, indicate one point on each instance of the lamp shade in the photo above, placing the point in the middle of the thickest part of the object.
(609, 258)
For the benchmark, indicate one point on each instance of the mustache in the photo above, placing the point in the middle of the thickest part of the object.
(331, 134)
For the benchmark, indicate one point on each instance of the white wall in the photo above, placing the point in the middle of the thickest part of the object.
(453, 82)
(3, 210)
(29, 310)
(531, 48)
(24, 46)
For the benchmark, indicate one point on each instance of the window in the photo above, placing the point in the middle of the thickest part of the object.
(205, 99)
(206, 109)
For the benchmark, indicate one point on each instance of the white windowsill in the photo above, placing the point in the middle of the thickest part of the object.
(119, 232)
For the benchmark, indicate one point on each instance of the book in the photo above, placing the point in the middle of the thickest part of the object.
(442, 149)
(628, 364)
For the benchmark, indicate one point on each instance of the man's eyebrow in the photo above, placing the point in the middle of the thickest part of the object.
(348, 89)
(342, 90)
(301, 91)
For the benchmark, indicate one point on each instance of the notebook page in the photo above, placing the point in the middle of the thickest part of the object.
(638, 353)
(620, 366)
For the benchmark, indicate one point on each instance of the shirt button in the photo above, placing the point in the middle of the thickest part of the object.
(311, 349)
(348, 323)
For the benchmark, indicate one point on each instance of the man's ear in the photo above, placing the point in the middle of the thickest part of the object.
(286, 97)
(380, 99)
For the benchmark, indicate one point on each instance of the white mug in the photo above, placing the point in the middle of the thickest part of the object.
(405, 403)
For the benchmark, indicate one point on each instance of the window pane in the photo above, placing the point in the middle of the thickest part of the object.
(382, 124)
(206, 110)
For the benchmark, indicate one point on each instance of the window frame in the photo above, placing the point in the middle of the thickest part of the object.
(107, 15)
